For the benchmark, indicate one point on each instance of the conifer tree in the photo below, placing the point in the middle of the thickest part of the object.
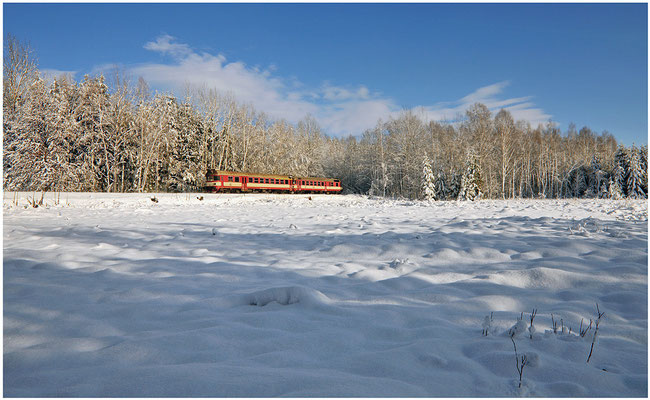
(643, 166)
(453, 187)
(614, 191)
(471, 181)
(620, 171)
(428, 181)
(441, 185)
(596, 178)
(634, 175)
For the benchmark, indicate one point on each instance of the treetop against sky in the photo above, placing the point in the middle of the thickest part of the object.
(349, 65)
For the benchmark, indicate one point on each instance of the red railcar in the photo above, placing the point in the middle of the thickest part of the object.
(230, 181)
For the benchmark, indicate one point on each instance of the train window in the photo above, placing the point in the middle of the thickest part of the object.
(236, 179)
(230, 179)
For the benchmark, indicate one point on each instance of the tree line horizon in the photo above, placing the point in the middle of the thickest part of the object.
(96, 136)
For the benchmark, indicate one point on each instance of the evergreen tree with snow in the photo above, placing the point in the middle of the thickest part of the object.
(596, 178)
(579, 182)
(471, 181)
(441, 185)
(428, 181)
(614, 190)
(620, 171)
(643, 166)
(453, 186)
(633, 180)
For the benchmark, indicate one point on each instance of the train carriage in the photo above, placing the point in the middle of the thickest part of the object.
(230, 181)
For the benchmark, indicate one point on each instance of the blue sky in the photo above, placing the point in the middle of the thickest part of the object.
(350, 64)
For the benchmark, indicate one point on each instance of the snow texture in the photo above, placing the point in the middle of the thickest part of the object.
(113, 295)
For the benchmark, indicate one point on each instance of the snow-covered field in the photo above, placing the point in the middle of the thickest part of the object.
(114, 295)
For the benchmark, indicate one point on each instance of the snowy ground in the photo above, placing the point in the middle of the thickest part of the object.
(273, 295)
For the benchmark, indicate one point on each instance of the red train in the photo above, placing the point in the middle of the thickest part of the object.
(229, 181)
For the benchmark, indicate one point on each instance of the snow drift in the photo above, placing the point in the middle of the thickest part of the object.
(113, 295)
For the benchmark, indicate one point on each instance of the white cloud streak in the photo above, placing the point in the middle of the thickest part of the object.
(50, 74)
(339, 110)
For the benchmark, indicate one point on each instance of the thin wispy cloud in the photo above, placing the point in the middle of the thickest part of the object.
(521, 108)
(51, 74)
(163, 44)
(340, 110)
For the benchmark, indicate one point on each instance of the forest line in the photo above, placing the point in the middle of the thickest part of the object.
(94, 135)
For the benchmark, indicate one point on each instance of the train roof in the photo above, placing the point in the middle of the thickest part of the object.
(221, 172)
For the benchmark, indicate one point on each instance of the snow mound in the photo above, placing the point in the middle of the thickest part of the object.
(286, 296)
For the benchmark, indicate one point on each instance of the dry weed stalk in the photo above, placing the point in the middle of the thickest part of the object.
(593, 340)
(584, 332)
(532, 319)
(524, 359)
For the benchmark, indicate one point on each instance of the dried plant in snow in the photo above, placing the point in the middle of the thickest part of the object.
(584, 332)
(593, 340)
(531, 328)
(524, 360)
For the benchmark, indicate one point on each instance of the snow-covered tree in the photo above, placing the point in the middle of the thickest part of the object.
(454, 185)
(634, 178)
(643, 166)
(614, 191)
(471, 181)
(619, 174)
(579, 181)
(597, 178)
(440, 184)
(28, 152)
(428, 181)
